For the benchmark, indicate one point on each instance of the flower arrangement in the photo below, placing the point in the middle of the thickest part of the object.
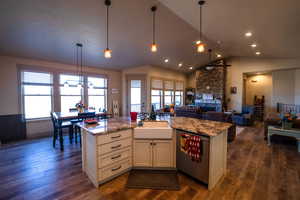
(80, 106)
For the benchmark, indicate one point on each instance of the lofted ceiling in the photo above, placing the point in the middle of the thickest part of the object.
(49, 30)
(275, 25)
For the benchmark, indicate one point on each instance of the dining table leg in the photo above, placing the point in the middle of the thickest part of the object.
(61, 139)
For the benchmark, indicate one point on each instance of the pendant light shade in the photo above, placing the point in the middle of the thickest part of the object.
(200, 44)
(107, 51)
(200, 47)
(153, 45)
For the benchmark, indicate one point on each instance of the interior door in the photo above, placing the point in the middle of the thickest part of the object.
(137, 94)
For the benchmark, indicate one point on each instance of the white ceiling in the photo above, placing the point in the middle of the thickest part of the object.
(49, 29)
(275, 25)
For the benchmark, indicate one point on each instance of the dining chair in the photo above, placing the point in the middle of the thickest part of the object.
(83, 116)
(58, 127)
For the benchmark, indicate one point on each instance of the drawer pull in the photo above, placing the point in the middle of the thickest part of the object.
(118, 146)
(115, 169)
(115, 137)
(118, 156)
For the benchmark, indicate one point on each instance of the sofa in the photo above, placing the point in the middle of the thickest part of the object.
(246, 117)
(199, 113)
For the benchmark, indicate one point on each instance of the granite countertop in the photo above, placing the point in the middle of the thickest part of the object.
(107, 126)
(207, 127)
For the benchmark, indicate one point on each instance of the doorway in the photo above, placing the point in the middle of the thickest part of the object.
(136, 93)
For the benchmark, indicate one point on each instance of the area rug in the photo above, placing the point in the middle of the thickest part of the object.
(153, 179)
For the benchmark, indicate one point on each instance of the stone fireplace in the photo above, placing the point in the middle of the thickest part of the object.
(210, 87)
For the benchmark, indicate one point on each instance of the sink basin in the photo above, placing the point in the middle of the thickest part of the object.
(154, 130)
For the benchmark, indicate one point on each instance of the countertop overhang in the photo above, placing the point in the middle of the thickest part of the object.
(198, 126)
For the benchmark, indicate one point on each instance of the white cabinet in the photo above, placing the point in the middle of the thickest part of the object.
(106, 156)
(154, 153)
(143, 153)
(163, 153)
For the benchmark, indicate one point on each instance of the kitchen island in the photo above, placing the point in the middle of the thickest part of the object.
(108, 148)
(212, 166)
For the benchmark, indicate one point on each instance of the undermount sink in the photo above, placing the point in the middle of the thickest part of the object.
(153, 130)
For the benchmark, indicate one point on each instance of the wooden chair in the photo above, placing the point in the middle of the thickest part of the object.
(83, 116)
(58, 127)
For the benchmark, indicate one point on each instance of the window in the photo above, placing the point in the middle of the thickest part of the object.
(168, 97)
(135, 95)
(166, 92)
(36, 94)
(179, 93)
(156, 99)
(97, 93)
(178, 98)
(70, 93)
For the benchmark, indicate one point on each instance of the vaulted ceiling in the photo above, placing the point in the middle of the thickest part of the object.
(49, 29)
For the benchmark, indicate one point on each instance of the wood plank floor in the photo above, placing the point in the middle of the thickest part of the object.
(34, 170)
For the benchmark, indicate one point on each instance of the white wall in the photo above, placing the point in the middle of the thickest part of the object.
(260, 85)
(297, 87)
(240, 65)
(9, 93)
(283, 87)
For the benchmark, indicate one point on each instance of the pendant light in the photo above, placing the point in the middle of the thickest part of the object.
(200, 44)
(80, 71)
(107, 51)
(153, 45)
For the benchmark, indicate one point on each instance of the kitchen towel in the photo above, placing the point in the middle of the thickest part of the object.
(190, 145)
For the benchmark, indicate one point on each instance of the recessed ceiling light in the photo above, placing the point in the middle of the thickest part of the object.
(257, 53)
(253, 45)
(180, 65)
(191, 67)
(219, 55)
(166, 60)
(248, 34)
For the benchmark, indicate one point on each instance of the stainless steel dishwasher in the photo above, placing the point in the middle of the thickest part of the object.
(198, 170)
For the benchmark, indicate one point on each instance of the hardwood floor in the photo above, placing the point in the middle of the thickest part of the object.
(34, 170)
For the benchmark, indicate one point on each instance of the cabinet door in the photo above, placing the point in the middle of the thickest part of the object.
(142, 153)
(163, 153)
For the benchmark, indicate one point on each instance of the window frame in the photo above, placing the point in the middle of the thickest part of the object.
(163, 89)
(161, 96)
(22, 92)
(87, 90)
(55, 90)
(59, 85)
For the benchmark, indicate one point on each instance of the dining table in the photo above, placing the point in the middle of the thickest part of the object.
(61, 117)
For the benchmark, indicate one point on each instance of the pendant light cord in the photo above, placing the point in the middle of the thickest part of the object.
(81, 65)
(107, 15)
(154, 27)
(77, 62)
(201, 23)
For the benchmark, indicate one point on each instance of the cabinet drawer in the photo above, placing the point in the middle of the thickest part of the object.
(114, 146)
(103, 139)
(114, 169)
(114, 157)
